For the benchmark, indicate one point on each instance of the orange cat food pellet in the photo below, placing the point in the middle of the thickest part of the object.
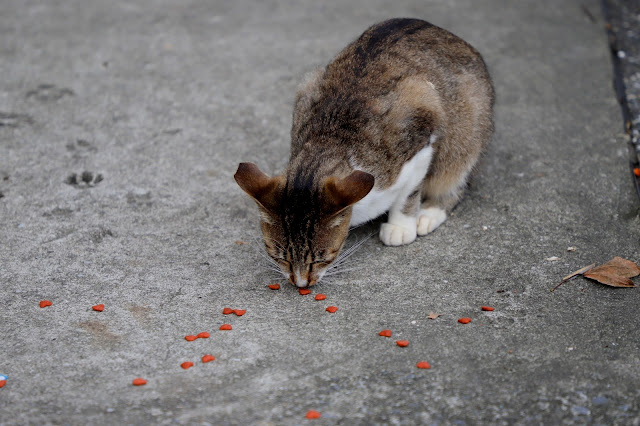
(320, 296)
(275, 286)
(239, 312)
(45, 303)
(203, 335)
(304, 291)
(331, 309)
(423, 364)
(186, 365)
(636, 172)
(313, 414)
(98, 308)
(139, 381)
(2, 383)
(464, 320)
(190, 338)
(486, 308)
(227, 311)
(208, 358)
(225, 327)
(385, 333)
(402, 343)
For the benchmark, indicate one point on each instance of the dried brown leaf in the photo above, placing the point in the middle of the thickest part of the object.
(433, 315)
(616, 273)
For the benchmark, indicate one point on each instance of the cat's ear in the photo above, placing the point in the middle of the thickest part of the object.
(342, 193)
(265, 190)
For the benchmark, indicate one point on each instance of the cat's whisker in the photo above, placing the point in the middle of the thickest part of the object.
(342, 271)
(346, 254)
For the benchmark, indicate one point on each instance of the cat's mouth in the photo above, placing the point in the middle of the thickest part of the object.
(305, 280)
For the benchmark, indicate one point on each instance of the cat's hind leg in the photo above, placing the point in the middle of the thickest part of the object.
(440, 197)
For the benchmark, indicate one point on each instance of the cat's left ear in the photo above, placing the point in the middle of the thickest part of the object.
(265, 190)
(342, 193)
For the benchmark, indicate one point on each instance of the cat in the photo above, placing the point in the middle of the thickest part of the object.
(395, 123)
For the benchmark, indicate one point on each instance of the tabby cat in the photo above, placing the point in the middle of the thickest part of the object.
(395, 123)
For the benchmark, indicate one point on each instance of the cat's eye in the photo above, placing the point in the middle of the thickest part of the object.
(284, 263)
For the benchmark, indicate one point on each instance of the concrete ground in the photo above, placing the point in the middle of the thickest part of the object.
(121, 125)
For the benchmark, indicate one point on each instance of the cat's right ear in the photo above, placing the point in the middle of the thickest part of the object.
(265, 190)
(342, 193)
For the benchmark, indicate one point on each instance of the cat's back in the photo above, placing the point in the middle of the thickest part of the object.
(400, 47)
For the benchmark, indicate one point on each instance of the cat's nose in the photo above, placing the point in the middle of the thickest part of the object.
(299, 280)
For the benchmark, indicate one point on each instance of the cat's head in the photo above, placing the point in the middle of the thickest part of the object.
(304, 222)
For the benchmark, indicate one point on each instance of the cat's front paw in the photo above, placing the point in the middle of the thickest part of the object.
(429, 219)
(395, 235)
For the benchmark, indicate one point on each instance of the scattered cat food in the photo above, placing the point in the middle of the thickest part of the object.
(423, 364)
(190, 338)
(208, 358)
(45, 303)
(139, 381)
(464, 320)
(402, 343)
(227, 311)
(98, 308)
(3, 380)
(331, 309)
(304, 291)
(636, 171)
(203, 335)
(186, 365)
(225, 327)
(313, 414)
(486, 308)
(385, 333)
(275, 286)
(239, 312)
(320, 296)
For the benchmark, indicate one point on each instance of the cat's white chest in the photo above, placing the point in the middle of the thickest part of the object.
(379, 201)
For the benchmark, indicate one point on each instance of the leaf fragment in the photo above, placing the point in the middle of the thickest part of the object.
(433, 315)
(616, 273)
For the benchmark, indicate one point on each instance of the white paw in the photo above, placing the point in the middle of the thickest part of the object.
(429, 219)
(394, 235)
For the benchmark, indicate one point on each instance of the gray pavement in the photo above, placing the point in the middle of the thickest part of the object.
(157, 101)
